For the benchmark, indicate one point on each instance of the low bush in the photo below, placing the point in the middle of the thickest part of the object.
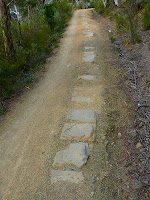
(80, 5)
(40, 31)
(64, 9)
(122, 24)
(112, 37)
(146, 17)
(98, 5)
(127, 28)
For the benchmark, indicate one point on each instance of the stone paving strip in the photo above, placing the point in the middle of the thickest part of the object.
(70, 176)
(89, 56)
(86, 27)
(77, 154)
(84, 132)
(82, 115)
(79, 89)
(84, 22)
(69, 65)
(88, 77)
(82, 99)
(88, 34)
(89, 48)
(75, 93)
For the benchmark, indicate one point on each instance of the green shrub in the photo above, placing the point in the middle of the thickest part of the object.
(80, 5)
(49, 14)
(112, 37)
(146, 17)
(64, 9)
(122, 24)
(98, 5)
(8, 77)
(137, 38)
(39, 34)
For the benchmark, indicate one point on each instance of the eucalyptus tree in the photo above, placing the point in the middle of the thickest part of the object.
(6, 28)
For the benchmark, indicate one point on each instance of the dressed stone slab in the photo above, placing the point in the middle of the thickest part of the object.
(78, 89)
(88, 77)
(89, 48)
(79, 131)
(82, 115)
(82, 99)
(89, 56)
(77, 154)
(86, 27)
(69, 176)
(84, 22)
(88, 34)
(69, 65)
(75, 93)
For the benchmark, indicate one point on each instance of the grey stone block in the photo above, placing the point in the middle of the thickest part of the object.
(69, 176)
(77, 154)
(88, 77)
(79, 131)
(89, 56)
(82, 99)
(82, 115)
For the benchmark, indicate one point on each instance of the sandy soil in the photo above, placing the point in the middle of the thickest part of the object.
(30, 133)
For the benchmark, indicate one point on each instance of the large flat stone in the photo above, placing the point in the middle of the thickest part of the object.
(75, 93)
(88, 77)
(88, 34)
(89, 56)
(69, 176)
(84, 22)
(77, 154)
(79, 131)
(89, 48)
(78, 89)
(82, 99)
(82, 115)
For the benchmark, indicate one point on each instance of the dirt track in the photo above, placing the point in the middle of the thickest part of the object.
(30, 134)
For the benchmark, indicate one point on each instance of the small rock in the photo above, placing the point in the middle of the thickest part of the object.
(138, 145)
(140, 125)
(103, 138)
(92, 194)
(133, 133)
(137, 184)
(93, 180)
(145, 181)
(119, 135)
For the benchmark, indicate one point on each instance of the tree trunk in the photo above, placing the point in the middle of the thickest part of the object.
(29, 10)
(19, 26)
(6, 26)
(105, 3)
(84, 4)
(44, 1)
